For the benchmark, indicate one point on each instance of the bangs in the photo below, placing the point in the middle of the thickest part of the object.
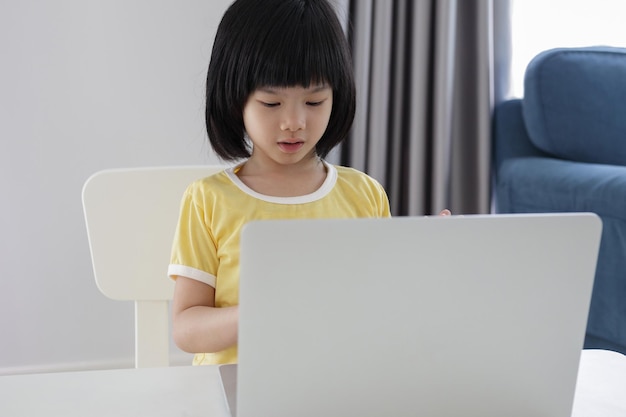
(299, 53)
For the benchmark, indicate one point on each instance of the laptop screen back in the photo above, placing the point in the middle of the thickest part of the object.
(439, 316)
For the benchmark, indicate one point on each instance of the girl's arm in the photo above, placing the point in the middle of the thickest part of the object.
(199, 326)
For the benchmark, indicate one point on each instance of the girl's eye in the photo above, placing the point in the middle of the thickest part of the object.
(266, 104)
(314, 103)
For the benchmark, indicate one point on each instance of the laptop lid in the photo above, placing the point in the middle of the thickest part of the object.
(479, 315)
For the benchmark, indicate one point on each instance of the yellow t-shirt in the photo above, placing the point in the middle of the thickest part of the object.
(214, 209)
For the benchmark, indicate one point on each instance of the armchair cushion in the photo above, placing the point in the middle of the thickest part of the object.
(574, 104)
(554, 185)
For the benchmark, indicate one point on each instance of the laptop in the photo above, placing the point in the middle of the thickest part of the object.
(480, 315)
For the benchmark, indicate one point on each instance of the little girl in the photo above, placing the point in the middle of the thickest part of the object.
(280, 96)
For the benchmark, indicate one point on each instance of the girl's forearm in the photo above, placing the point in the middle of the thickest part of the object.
(202, 329)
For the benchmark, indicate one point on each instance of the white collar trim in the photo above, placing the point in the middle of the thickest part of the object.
(325, 188)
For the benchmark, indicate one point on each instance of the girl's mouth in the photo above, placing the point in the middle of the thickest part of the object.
(290, 146)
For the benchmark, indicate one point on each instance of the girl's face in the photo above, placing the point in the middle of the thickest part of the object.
(285, 123)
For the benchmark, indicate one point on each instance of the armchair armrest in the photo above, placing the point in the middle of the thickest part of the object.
(510, 138)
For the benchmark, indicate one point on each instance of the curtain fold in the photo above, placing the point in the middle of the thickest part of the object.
(424, 75)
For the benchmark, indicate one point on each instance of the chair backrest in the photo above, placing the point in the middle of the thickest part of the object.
(131, 217)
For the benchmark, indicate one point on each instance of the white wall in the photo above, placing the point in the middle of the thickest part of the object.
(85, 85)
(533, 29)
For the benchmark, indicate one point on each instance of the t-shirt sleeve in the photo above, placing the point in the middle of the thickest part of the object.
(194, 253)
(383, 202)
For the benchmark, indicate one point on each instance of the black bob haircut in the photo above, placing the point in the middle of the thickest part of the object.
(278, 43)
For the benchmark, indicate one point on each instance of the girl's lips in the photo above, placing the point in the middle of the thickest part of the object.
(290, 147)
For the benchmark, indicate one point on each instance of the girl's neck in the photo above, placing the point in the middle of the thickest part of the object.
(291, 180)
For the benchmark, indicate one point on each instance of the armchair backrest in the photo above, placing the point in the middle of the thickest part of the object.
(574, 104)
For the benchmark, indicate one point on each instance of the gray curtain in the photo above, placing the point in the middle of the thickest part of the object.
(424, 74)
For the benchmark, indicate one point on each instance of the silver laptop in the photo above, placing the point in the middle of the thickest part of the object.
(413, 316)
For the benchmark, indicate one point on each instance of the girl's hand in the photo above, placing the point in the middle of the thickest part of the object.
(445, 212)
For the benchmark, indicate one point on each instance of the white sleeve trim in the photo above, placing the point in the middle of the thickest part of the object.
(186, 271)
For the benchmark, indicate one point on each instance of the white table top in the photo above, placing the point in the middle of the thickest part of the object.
(601, 386)
(177, 391)
(196, 391)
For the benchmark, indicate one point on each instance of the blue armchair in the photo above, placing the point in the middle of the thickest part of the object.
(562, 148)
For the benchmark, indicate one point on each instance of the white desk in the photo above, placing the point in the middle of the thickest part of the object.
(196, 391)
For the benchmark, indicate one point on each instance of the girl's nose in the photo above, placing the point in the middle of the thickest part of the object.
(293, 120)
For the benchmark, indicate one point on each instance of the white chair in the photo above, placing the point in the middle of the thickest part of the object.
(131, 216)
